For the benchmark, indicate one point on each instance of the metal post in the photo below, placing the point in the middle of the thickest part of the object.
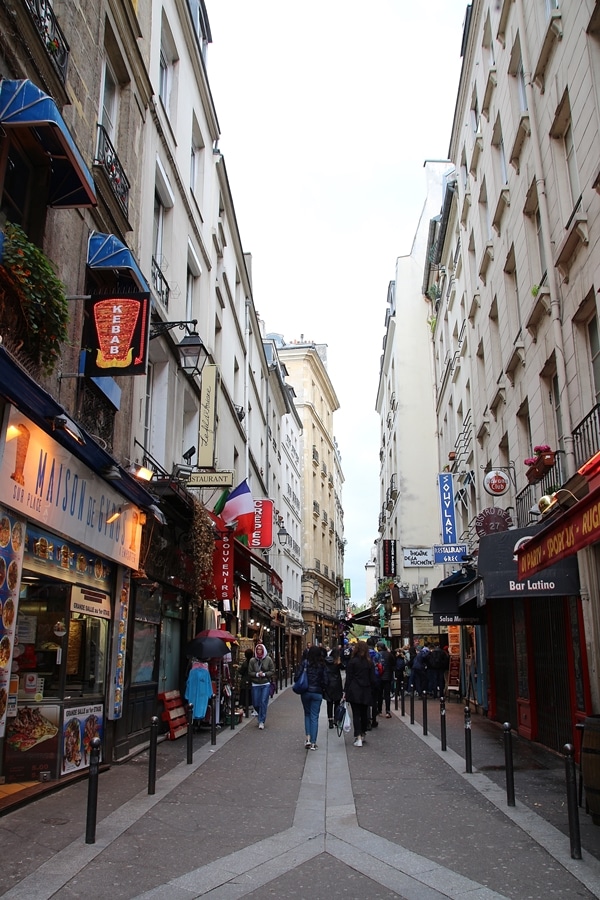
(571, 779)
(509, 766)
(247, 700)
(424, 699)
(443, 722)
(92, 802)
(412, 707)
(232, 709)
(580, 727)
(152, 754)
(396, 692)
(213, 720)
(190, 735)
(468, 757)
(402, 695)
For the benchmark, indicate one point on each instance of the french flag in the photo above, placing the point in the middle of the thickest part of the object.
(239, 508)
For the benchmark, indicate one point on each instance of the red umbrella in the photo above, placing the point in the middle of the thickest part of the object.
(217, 633)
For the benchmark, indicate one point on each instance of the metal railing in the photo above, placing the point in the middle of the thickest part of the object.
(529, 496)
(160, 284)
(586, 437)
(107, 158)
(51, 34)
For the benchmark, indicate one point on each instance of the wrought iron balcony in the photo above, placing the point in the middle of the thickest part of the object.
(528, 497)
(160, 284)
(108, 160)
(586, 437)
(51, 34)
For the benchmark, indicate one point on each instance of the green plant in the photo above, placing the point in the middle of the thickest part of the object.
(434, 293)
(535, 290)
(41, 293)
(431, 321)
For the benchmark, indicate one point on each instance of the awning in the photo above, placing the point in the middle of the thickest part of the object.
(577, 528)
(364, 617)
(41, 408)
(446, 604)
(24, 106)
(106, 251)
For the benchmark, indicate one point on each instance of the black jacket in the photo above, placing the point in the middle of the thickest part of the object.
(360, 679)
(317, 677)
(334, 689)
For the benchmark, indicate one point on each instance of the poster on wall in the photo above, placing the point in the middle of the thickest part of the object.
(119, 643)
(12, 539)
(81, 724)
(31, 743)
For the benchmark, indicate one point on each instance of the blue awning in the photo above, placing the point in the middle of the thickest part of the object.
(105, 251)
(25, 106)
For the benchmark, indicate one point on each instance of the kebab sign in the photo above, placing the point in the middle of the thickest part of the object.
(116, 334)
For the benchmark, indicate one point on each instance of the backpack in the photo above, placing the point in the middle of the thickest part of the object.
(436, 660)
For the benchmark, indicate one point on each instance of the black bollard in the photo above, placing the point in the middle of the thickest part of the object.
(396, 692)
(152, 754)
(213, 720)
(402, 710)
(572, 807)
(424, 699)
(247, 701)
(468, 757)
(286, 676)
(232, 708)
(92, 802)
(190, 735)
(580, 728)
(509, 766)
(412, 707)
(443, 722)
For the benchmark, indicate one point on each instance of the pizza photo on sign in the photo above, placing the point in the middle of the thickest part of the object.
(28, 728)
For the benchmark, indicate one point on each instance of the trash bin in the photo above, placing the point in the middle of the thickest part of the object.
(590, 766)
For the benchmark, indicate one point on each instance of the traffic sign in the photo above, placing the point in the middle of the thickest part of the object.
(449, 553)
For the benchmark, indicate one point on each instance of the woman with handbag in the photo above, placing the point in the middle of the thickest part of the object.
(312, 697)
(360, 680)
(335, 689)
(261, 671)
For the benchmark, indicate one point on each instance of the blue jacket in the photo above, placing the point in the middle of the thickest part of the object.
(198, 690)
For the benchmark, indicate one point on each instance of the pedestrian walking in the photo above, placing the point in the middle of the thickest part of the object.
(335, 688)
(312, 698)
(418, 672)
(437, 662)
(385, 680)
(377, 670)
(358, 691)
(245, 680)
(261, 670)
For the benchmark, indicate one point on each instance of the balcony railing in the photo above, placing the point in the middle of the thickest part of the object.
(109, 161)
(586, 437)
(316, 508)
(160, 284)
(51, 34)
(528, 498)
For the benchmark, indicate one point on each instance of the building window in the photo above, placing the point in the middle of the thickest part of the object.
(167, 70)
(197, 156)
(521, 92)
(571, 164)
(110, 102)
(594, 350)
(540, 243)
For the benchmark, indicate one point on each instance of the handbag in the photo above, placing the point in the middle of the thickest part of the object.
(347, 721)
(300, 685)
(272, 689)
(340, 715)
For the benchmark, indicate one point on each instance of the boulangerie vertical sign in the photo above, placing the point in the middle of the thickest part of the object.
(389, 558)
(446, 487)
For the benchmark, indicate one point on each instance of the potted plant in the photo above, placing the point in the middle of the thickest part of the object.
(540, 464)
(28, 276)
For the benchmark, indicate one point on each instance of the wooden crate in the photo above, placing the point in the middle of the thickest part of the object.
(174, 714)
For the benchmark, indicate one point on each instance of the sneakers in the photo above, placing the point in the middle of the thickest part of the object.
(331, 723)
(363, 738)
(261, 725)
(254, 714)
(313, 747)
(388, 715)
(307, 745)
(358, 742)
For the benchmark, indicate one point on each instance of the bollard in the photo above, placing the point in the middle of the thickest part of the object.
(232, 708)
(424, 699)
(152, 754)
(443, 722)
(396, 692)
(580, 727)
(402, 710)
(92, 802)
(412, 707)
(247, 701)
(571, 779)
(190, 735)
(468, 757)
(509, 766)
(213, 720)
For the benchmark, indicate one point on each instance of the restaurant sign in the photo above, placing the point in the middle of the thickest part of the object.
(575, 529)
(116, 334)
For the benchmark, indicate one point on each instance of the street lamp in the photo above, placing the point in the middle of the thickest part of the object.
(283, 536)
(192, 352)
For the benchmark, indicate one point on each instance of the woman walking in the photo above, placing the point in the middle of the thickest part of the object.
(360, 681)
(313, 697)
(261, 670)
(335, 689)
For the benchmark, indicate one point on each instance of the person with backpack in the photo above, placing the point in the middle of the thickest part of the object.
(419, 670)
(435, 672)
(377, 670)
(400, 668)
(386, 676)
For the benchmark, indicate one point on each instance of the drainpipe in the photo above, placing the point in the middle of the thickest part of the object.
(246, 379)
(555, 305)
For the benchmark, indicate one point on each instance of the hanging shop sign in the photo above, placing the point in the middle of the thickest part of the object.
(208, 412)
(210, 479)
(446, 486)
(496, 482)
(389, 558)
(449, 553)
(223, 570)
(414, 557)
(577, 528)
(116, 334)
(262, 532)
(492, 520)
(498, 563)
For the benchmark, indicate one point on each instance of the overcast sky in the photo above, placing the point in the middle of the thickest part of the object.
(328, 110)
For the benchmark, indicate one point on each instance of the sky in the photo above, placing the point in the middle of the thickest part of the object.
(328, 110)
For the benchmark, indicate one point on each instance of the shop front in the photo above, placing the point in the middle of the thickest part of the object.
(68, 543)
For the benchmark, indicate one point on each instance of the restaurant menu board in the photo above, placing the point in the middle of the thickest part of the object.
(49, 554)
(31, 743)
(115, 701)
(81, 724)
(12, 539)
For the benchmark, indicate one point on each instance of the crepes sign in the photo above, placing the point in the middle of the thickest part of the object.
(116, 334)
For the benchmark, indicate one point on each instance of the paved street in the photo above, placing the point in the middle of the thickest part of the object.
(259, 815)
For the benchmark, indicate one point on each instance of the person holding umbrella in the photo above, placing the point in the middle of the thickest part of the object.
(261, 670)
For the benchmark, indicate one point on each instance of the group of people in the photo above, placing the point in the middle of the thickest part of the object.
(371, 671)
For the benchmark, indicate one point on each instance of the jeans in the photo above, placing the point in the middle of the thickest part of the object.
(260, 699)
(312, 704)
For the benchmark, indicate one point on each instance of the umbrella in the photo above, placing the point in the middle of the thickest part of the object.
(207, 648)
(217, 633)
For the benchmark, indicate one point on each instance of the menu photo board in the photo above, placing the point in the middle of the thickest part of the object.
(31, 742)
(81, 724)
(12, 539)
